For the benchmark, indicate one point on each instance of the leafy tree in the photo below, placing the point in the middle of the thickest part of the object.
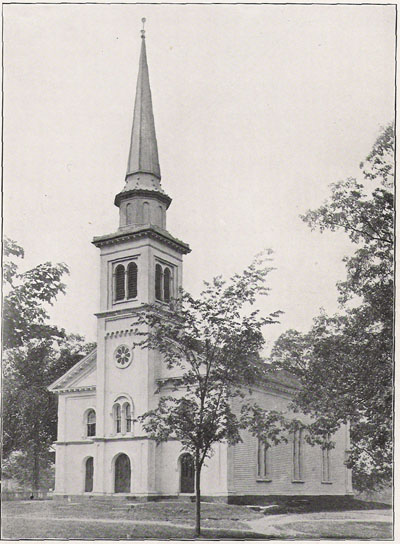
(213, 343)
(27, 294)
(345, 361)
(35, 354)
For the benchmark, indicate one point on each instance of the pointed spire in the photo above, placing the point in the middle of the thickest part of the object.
(143, 153)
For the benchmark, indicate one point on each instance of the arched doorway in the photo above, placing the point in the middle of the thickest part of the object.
(89, 474)
(187, 473)
(122, 474)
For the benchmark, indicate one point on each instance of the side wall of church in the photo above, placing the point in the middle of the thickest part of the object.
(279, 477)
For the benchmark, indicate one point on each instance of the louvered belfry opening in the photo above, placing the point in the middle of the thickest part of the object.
(158, 282)
(132, 280)
(167, 285)
(120, 282)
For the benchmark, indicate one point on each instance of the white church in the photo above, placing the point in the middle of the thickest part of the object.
(100, 450)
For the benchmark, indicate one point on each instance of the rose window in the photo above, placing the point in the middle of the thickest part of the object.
(122, 356)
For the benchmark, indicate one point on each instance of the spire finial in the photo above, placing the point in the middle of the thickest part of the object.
(142, 32)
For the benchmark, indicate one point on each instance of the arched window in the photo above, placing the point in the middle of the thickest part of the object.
(132, 280)
(117, 418)
(298, 455)
(167, 284)
(146, 213)
(160, 217)
(158, 282)
(123, 415)
(128, 418)
(120, 282)
(129, 214)
(263, 461)
(91, 423)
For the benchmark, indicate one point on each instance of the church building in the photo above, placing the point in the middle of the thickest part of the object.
(100, 449)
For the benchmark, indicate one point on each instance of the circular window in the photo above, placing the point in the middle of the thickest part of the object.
(122, 356)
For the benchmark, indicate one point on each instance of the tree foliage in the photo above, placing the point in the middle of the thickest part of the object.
(24, 306)
(345, 361)
(35, 354)
(211, 346)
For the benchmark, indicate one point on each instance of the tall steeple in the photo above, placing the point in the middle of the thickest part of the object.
(143, 153)
(142, 200)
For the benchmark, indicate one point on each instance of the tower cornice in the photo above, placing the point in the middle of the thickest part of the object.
(146, 193)
(144, 231)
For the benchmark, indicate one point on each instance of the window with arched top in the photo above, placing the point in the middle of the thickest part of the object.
(123, 415)
(158, 285)
(125, 281)
(129, 213)
(163, 283)
(160, 217)
(132, 280)
(117, 418)
(91, 423)
(128, 418)
(167, 285)
(120, 282)
(146, 213)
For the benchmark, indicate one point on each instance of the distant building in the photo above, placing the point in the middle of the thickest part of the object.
(100, 450)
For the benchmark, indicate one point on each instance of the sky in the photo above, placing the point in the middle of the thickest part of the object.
(258, 109)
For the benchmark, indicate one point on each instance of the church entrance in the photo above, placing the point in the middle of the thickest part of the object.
(187, 474)
(122, 474)
(89, 474)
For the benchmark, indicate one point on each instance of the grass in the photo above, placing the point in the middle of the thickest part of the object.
(14, 529)
(351, 530)
(175, 520)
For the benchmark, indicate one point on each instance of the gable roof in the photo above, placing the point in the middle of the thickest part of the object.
(70, 381)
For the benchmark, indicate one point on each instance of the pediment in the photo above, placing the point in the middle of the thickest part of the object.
(80, 376)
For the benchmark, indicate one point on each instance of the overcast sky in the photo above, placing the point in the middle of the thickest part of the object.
(257, 110)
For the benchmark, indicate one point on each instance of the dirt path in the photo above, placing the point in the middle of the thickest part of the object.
(275, 524)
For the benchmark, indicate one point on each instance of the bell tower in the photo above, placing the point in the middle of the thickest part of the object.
(141, 264)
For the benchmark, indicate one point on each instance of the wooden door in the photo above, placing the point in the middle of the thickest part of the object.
(122, 474)
(89, 474)
(187, 473)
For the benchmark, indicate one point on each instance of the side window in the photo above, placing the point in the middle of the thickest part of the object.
(91, 423)
(326, 462)
(263, 461)
(297, 455)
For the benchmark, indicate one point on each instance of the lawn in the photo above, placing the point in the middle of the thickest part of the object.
(14, 529)
(351, 530)
(175, 520)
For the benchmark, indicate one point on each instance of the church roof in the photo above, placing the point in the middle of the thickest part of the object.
(143, 152)
(74, 378)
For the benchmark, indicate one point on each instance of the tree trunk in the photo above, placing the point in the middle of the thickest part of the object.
(36, 470)
(197, 483)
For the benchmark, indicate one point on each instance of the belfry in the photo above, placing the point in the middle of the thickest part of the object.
(101, 450)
